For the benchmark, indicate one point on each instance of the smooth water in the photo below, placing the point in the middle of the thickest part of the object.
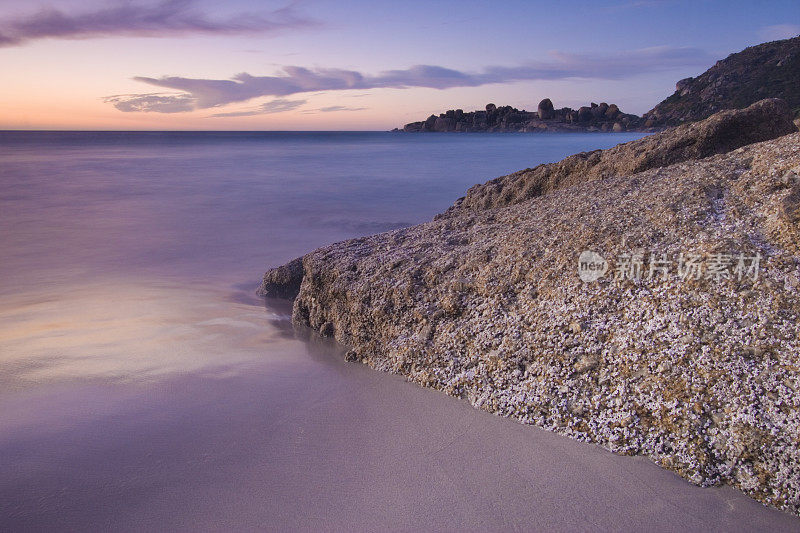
(144, 386)
(131, 256)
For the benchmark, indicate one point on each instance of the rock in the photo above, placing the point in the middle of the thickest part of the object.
(664, 367)
(327, 329)
(577, 409)
(443, 124)
(600, 111)
(720, 133)
(586, 363)
(618, 376)
(584, 114)
(545, 109)
(683, 87)
(283, 281)
(352, 356)
(752, 352)
(769, 70)
(790, 206)
(617, 128)
(789, 178)
(509, 119)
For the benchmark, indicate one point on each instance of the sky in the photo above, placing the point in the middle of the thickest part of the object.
(352, 65)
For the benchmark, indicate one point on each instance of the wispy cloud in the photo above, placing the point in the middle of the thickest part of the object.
(158, 102)
(335, 108)
(161, 19)
(208, 93)
(777, 32)
(279, 105)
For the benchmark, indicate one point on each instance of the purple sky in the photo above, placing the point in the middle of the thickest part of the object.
(192, 64)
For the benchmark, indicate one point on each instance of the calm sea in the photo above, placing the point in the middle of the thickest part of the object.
(143, 386)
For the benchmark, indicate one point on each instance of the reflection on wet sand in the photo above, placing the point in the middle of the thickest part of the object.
(285, 435)
(142, 332)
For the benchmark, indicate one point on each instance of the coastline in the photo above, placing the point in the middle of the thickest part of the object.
(484, 303)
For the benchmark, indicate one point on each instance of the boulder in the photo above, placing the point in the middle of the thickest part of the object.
(584, 114)
(545, 109)
(488, 306)
(430, 122)
(443, 124)
(283, 281)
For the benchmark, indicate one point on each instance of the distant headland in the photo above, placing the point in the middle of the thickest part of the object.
(594, 117)
(767, 70)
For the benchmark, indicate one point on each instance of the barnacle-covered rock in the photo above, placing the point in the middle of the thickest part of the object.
(695, 364)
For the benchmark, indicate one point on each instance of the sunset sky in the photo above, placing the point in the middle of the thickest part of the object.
(355, 65)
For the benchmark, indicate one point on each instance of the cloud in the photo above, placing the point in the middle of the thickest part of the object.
(279, 105)
(334, 108)
(166, 18)
(208, 93)
(777, 32)
(156, 102)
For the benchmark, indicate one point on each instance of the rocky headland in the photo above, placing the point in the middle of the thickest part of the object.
(767, 70)
(721, 133)
(644, 298)
(594, 117)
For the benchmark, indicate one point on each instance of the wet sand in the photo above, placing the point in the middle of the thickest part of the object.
(308, 442)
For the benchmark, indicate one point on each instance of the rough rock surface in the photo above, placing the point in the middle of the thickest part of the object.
(768, 70)
(720, 133)
(545, 109)
(700, 373)
(283, 281)
(597, 117)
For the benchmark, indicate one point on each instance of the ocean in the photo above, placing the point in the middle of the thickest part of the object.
(143, 385)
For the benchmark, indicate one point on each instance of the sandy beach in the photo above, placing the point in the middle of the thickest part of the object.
(360, 450)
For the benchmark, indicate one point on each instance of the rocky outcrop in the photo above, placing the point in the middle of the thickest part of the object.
(720, 133)
(656, 314)
(597, 117)
(283, 281)
(769, 70)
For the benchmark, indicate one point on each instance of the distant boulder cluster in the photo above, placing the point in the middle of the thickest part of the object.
(594, 117)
